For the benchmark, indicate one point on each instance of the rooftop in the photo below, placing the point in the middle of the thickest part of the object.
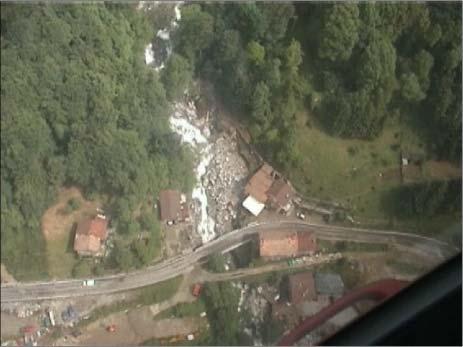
(253, 206)
(329, 283)
(302, 287)
(96, 226)
(169, 201)
(281, 192)
(278, 243)
(260, 183)
(86, 243)
(286, 243)
(89, 235)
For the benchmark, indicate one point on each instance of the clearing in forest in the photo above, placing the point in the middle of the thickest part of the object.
(58, 225)
(358, 173)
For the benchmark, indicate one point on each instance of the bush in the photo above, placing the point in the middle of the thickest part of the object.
(216, 263)
(159, 292)
(82, 269)
(352, 150)
(184, 310)
(122, 257)
(395, 147)
(149, 222)
(98, 269)
(74, 204)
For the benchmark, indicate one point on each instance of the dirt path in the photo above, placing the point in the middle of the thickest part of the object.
(375, 266)
(11, 324)
(139, 324)
(231, 275)
(442, 169)
(5, 276)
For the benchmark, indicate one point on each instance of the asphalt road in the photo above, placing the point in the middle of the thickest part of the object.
(172, 267)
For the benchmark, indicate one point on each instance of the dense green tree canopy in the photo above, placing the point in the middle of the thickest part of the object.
(339, 32)
(79, 106)
(176, 76)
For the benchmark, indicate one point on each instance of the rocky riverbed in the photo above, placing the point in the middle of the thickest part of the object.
(220, 170)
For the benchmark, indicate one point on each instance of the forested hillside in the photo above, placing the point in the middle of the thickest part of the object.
(78, 107)
(354, 65)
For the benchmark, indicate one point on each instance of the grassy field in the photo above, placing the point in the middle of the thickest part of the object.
(335, 168)
(61, 256)
(358, 172)
(58, 227)
(145, 296)
(406, 268)
(343, 246)
(183, 310)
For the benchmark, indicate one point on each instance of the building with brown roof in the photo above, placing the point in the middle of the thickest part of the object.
(302, 288)
(278, 244)
(90, 236)
(280, 195)
(173, 206)
(260, 183)
(267, 187)
(306, 243)
(286, 243)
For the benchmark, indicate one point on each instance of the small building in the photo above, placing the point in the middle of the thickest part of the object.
(301, 288)
(286, 243)
(196, 290)
(260, 183)
(267, 187)
(329, 284)
(90, 236)
(173, 206)
(280, 195)
(253, 206)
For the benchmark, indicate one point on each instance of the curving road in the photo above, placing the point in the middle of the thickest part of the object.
(181, 264)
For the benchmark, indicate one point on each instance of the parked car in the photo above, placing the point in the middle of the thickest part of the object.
(88, 283)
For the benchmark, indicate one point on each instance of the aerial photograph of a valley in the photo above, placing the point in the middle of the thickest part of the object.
(179, 173)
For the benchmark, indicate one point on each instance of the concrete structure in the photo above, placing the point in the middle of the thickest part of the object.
(253, 206)
(286, 243)
(90, 236)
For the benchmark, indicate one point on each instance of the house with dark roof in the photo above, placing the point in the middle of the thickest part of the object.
(267, 187)
(301, 288)
(286, 243)
(90, 236)
(280, 195)
(329, 284)
(173, 206)
(260, 183)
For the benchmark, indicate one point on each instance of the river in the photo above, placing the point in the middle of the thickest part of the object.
(185, 122)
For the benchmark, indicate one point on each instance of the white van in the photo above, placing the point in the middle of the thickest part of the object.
(88, 283)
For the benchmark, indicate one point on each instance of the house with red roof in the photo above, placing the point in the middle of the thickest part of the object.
(90, 236)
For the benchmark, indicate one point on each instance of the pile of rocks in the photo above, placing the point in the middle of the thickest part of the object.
(224, 181)
(256, 305)
(22, 311)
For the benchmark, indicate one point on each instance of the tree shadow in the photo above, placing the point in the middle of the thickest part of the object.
(70, 245)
